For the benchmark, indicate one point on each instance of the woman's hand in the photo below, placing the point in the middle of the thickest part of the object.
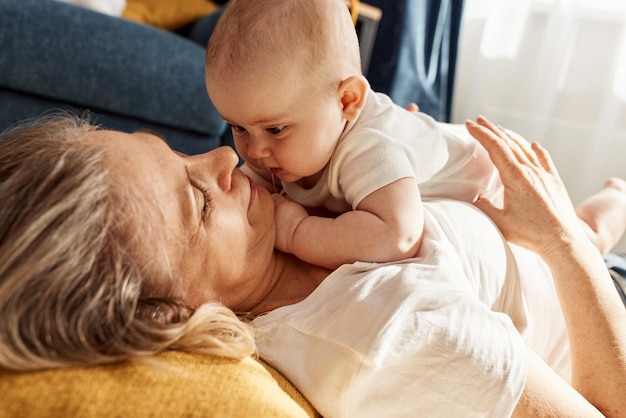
(538, 214)
(537, 211)
(413, 107)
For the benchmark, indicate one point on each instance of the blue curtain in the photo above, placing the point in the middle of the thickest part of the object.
(414, 55)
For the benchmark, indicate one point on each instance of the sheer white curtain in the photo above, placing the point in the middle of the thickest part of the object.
(554, 71)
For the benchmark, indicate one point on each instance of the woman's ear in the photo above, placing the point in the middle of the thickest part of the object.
(352, 92)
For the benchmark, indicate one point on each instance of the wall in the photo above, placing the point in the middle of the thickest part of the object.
(554, 71)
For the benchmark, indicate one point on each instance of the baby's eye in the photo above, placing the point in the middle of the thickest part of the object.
(238, 129)
(275, 130)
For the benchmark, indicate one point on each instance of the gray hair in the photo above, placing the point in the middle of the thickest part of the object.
(72, 291)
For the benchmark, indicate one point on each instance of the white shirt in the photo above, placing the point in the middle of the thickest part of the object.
(443, 334)
(387, 143)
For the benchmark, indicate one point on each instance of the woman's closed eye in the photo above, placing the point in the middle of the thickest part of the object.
(206, 205)
(206, 198)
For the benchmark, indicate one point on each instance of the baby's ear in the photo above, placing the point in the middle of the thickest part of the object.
(352, 92)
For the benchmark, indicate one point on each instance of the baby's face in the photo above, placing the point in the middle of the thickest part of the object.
(279, 122)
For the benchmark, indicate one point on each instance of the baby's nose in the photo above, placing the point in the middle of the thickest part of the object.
(258, 148)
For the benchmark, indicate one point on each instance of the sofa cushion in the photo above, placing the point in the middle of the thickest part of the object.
(167, 14)
(174, 384)
(76, 56)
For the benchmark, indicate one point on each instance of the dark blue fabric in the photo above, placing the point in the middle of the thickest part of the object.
(617, 267)
(415, 52)
(57, 54)
(17, 106)
(201, 30)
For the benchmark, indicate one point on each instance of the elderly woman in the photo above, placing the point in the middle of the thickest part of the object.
(113, 246)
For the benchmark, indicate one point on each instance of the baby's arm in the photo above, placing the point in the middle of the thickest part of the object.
(386, 226)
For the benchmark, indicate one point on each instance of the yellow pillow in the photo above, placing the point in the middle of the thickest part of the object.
(167, 14)
(178, 384)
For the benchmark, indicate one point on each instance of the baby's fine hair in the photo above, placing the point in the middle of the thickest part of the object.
(71, 290)
(315, 35)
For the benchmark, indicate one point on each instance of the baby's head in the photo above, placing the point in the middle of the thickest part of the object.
(317, 36)
(276, 65)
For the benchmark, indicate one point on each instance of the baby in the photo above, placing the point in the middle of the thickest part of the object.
(286, 75)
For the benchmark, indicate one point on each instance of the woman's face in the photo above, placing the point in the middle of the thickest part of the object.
(200, 220)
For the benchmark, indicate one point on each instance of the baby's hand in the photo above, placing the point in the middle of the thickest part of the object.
(287, 216)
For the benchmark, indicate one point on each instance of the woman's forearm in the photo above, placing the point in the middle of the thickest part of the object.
(538, 214)
(596, 323)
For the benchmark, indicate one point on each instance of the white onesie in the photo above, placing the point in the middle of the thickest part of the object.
(387, 143)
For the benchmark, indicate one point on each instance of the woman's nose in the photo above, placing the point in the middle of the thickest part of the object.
(216, 165)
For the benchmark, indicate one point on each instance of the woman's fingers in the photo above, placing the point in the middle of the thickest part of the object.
(536, 205)
(510, 152)
(413, 107)
(518, 145)
(525, 146)
(501, 154)
(544, 158)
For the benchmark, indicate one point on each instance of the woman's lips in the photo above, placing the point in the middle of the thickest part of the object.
(253, 192)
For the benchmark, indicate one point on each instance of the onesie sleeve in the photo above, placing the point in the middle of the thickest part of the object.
(369, 160)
